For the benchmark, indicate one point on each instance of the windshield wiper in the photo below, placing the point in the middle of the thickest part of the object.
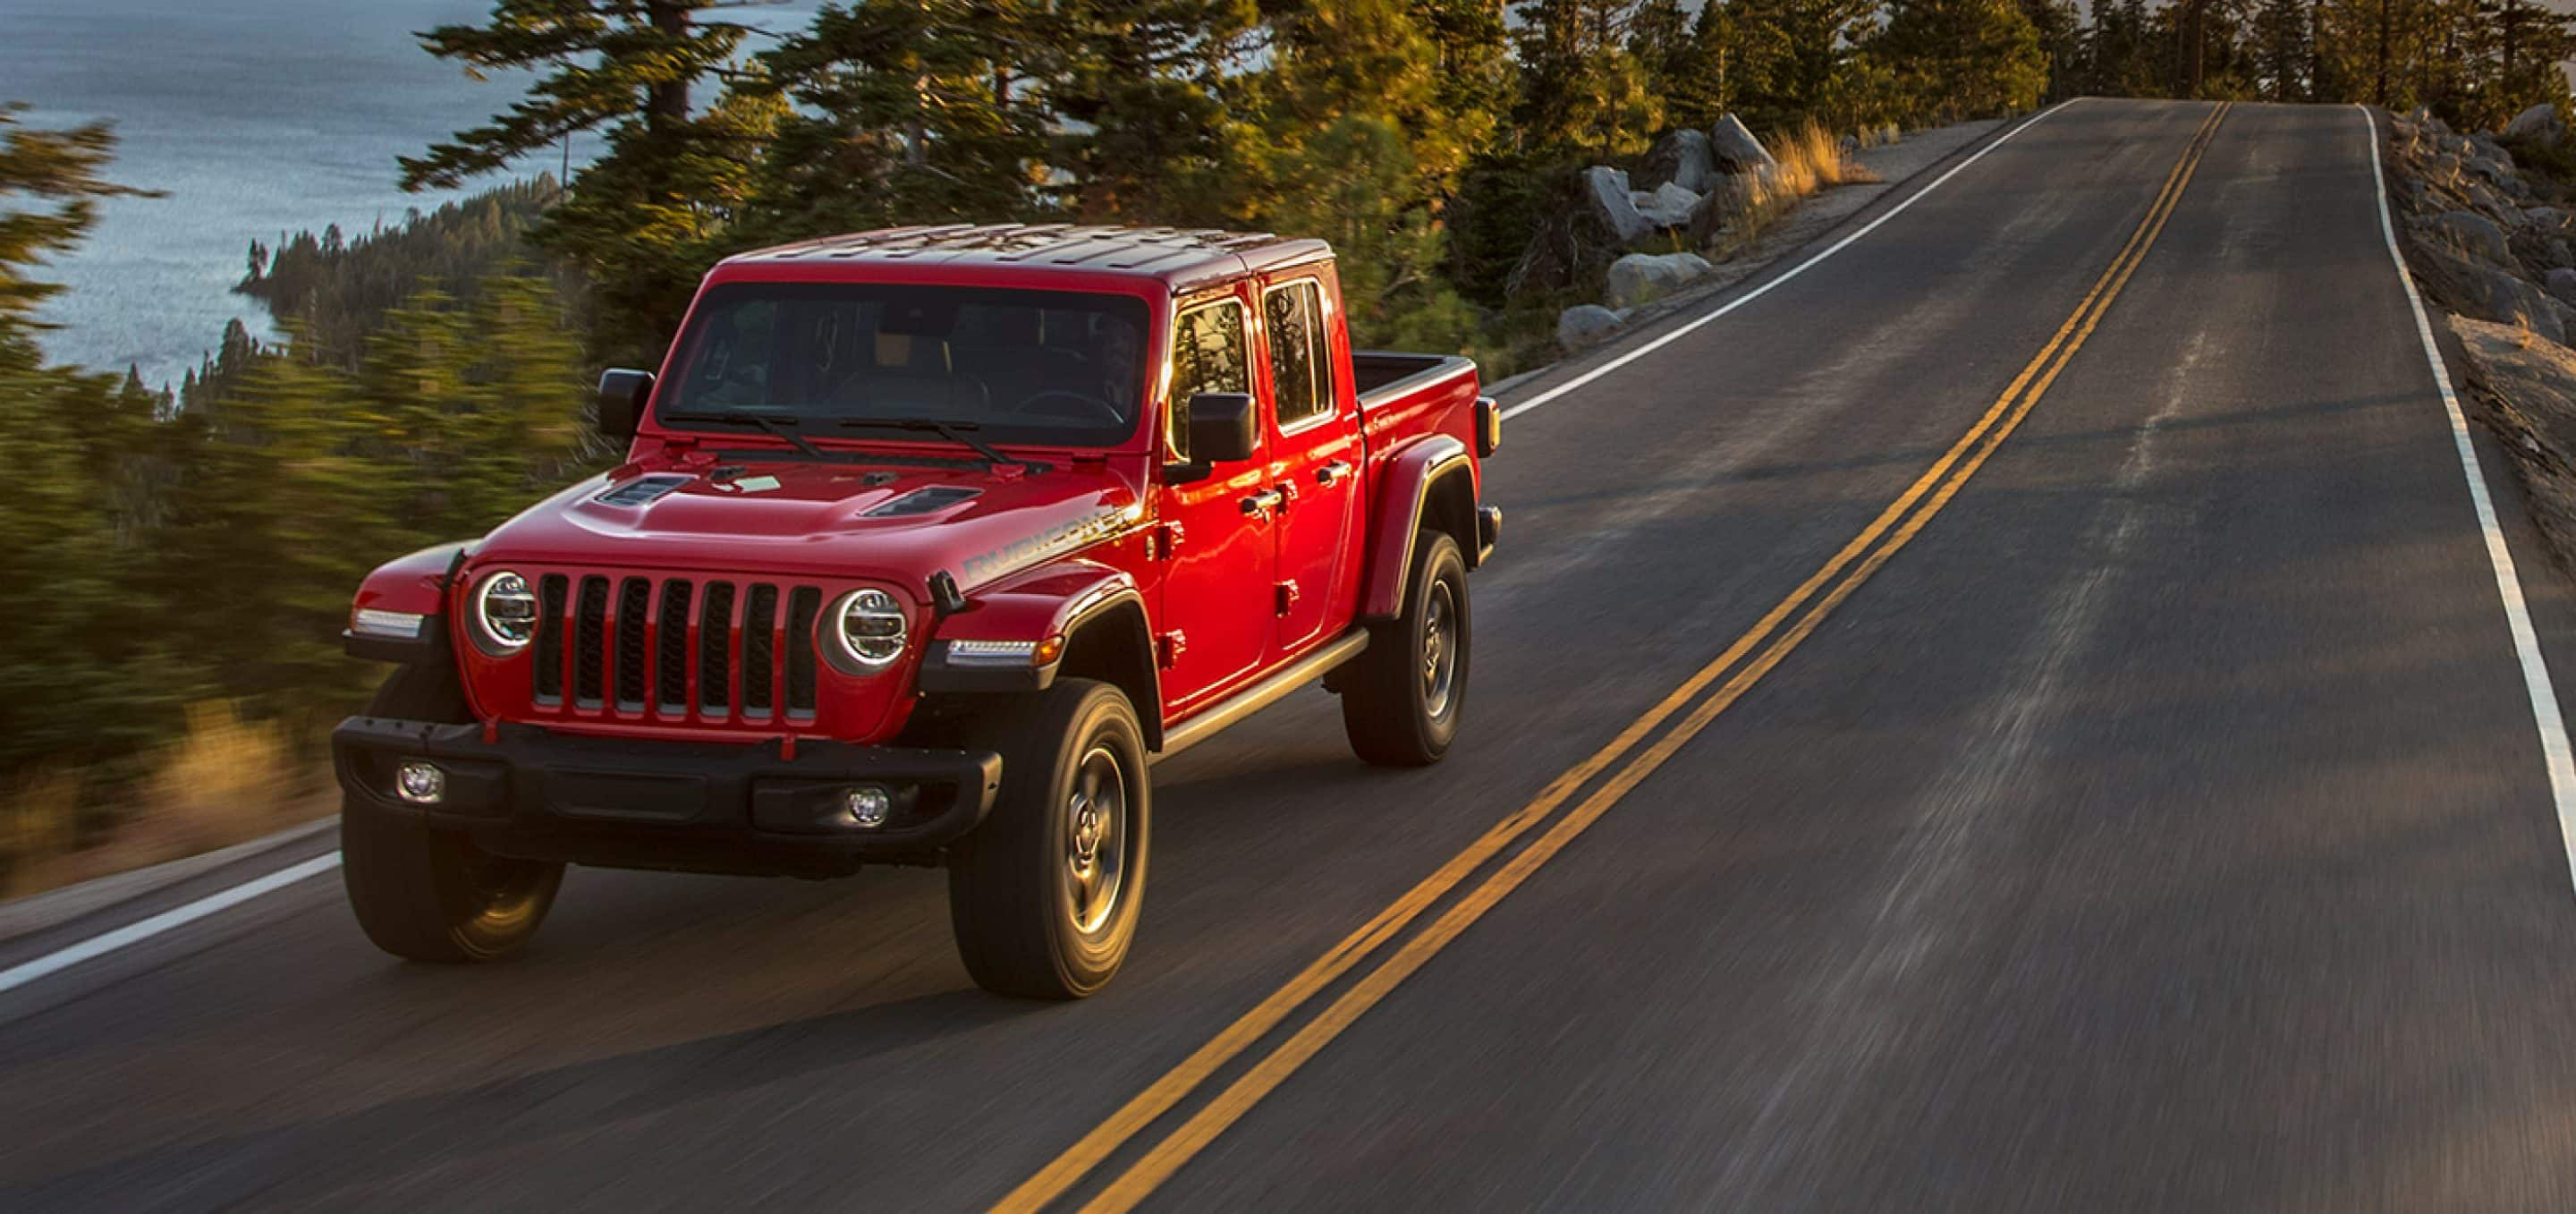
(778, 427)
(960, 433)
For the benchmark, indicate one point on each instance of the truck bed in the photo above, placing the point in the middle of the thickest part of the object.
(1385, 375)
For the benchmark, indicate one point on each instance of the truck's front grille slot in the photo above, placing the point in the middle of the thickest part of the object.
(676, 649)
(715, 656)
(802, 605)
(590, 641)
(759, 619)
(550, 638)
(634, 599)
(671, 647)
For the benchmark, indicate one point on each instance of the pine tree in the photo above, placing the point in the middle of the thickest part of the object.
(2283, 52)
(908, 111)
(1963, 58)
(1142, 93)
(670, 177)
(1794, 60)
(1584, 95)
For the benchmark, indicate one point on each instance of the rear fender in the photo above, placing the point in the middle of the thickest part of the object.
(1072, 618)
(415, 585)
(1430, 482)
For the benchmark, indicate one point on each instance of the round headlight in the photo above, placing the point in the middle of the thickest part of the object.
(869, 625)
(505, 611)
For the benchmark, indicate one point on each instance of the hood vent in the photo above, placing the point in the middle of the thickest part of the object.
(642, 491)
(922, 501)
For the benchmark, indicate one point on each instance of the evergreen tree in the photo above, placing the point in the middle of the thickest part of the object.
(636, 220)
(2061, 41)
(908, 111)
(1141, 95)
(1963, 58)
(1794, 61)
(2284, 53)
(1584, 96)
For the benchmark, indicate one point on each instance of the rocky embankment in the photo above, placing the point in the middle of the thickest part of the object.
(2493, 243)
(1640, 235)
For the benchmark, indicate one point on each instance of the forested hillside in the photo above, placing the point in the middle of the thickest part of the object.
(161, 552)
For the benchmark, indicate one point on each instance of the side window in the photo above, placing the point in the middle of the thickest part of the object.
(1207, 356)
(1300, 360)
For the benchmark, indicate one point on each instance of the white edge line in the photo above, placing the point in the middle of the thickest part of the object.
(179, 916)
(1792, 272)
(2526, 640)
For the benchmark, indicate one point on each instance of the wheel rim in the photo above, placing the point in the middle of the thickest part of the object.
(1095, 843)
(1439, 650)
(498, 887)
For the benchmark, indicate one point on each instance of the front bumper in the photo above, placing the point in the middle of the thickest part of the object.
(686, 806)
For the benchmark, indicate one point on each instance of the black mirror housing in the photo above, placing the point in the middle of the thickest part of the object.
(1223, 427)
(622, 396)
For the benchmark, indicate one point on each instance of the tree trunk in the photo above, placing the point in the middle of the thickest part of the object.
(668, 103)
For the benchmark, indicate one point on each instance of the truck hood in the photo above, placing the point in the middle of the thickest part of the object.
(794, 517)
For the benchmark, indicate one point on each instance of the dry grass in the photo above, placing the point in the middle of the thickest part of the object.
(1811, 160)
(227, 781)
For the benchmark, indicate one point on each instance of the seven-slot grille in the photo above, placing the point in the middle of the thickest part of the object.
(675, 649)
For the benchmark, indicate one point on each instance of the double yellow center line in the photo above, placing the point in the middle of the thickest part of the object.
(1743, 663)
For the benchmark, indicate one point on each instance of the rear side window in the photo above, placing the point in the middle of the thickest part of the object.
(1207, 356)
(1301, 372)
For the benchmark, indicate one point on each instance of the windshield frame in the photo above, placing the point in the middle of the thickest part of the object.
(669, 414)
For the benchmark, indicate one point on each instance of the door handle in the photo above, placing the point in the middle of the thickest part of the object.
(1332, 473)
(1263, 502)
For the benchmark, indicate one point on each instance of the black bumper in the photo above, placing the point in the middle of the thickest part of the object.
(684, 806)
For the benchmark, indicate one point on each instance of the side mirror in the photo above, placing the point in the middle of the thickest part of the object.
(1224, 427)
(622, 394)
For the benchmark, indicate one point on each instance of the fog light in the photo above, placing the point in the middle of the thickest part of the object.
(420, 783)
(868, 805)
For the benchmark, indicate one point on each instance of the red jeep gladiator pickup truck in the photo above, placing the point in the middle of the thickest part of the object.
(927, 543)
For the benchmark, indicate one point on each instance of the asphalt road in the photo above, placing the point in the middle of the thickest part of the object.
(2159, 824)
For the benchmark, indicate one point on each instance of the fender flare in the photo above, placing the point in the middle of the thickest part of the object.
(414, 583)
(1065, 601)
(1405, 496)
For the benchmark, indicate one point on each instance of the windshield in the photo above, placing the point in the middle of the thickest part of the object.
(1052, 368)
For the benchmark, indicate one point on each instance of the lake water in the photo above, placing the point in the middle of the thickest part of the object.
(256, 117)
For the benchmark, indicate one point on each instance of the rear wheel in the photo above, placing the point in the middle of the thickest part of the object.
(1044, 896)
(432, 895)
(1402, 696)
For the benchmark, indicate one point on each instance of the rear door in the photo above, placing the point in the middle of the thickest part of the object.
(1314, 437)
(1217, 596)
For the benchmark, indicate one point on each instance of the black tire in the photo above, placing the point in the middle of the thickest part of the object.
(1401, 698)
(1041, 909)
(432, 895)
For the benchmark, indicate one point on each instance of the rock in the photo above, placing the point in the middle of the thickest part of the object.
(1643, 277)
(2544, 219)
(1680, 158)
(1670, 206)
(2500, 160)
(2562, 284)
(2540, 124)
(1736, 150)
(2541, 253)
(1584, 324)
(1606, 190)
(2474, 289)
(2473, 234)
(2486, 198)
(1720, 209)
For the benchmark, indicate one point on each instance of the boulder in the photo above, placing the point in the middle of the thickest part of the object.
(1605, 190)
(2473, 234)
(1643, 277)
(2562, 284)
(1670, 206)
(2545, 219)
(2492, 201)
(1585, 324)
(2496, 159)
(2540, 124)
(1736, 150)
(1680, 158)
(2471, 288)
(1720, 210)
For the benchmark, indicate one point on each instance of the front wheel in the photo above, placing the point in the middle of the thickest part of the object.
(1403, 695)
(1044, 896)
(432, 895)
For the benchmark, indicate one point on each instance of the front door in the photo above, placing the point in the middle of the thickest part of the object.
(1217, 598)
(1314, 459)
